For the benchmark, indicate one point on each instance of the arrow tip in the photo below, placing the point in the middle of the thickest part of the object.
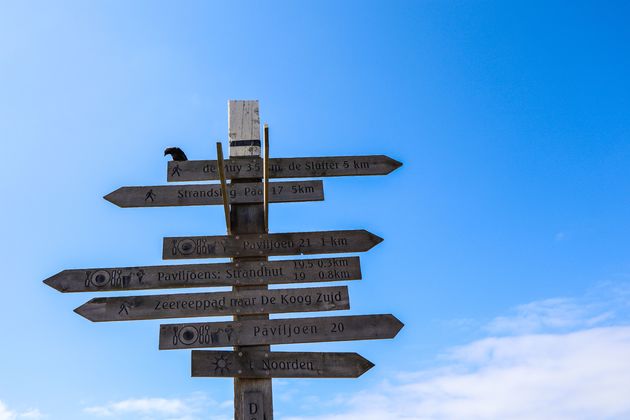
(92, 309)
(111, 197)
(398, 325)
(364, 363)
(81, 310)
(374, 239)
(393, 163)
(55, 282)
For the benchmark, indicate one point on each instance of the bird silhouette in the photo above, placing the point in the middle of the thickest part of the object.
(176, 153)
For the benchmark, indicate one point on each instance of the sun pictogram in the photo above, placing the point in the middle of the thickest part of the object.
(222, 364)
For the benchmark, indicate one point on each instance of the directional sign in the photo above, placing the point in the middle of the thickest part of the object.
(303, 167)
(204, 275)
(278, 331)
(262, 364)
(295, 243)
(209, 194)
(215, 304)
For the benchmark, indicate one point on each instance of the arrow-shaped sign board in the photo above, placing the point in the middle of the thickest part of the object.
(243, 273)
(256, 245)
(278, 331)
(215, 304)
(263, 364)
(210, 194)
(303, 167)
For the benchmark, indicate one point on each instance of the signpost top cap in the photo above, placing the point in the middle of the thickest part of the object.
(244, 128)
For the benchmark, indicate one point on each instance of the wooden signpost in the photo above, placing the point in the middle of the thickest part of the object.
(210, 194)
(248, 243)
(261, 364)
(246, 273)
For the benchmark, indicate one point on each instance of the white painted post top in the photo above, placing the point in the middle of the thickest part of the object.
(244, 128)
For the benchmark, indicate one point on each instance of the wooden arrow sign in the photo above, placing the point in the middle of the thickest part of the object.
(210, 194)
(295, 243)
(204, 275)
(278, 331)
(262, 364)
(304, 167)
(189, 305)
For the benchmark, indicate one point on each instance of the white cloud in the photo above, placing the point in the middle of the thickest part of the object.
(561, 359)
(194, 407)
(161, 406)
(6, 414)
(32, 413)
(606, 304)
(550, 314)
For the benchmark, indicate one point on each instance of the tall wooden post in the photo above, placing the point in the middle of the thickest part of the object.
(252, 397)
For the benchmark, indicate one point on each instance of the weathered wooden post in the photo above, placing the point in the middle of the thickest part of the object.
(252, 397)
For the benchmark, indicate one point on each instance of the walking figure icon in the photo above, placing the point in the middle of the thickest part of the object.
(150, 195)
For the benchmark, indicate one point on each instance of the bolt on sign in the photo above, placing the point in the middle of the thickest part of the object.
(248, 244)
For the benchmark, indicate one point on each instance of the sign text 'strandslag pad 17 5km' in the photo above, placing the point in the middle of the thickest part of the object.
(210, 194)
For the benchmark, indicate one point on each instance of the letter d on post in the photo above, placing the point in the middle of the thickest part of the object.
(253, 405)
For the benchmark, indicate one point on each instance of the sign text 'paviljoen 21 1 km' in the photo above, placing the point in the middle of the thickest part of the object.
(255, 245)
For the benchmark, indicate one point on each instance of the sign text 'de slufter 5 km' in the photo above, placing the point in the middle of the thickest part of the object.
(306, 167)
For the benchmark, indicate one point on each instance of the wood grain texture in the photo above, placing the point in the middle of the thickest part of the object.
(210, 194)
(244, 128)
(297, 167)
(250, 245)
(187, 305)
(278, 331)
(244, 273)
(260, 364)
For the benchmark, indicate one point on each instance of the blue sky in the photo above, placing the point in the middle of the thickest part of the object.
(506, 230)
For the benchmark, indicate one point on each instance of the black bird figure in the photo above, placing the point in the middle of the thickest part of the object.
(176, 153)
